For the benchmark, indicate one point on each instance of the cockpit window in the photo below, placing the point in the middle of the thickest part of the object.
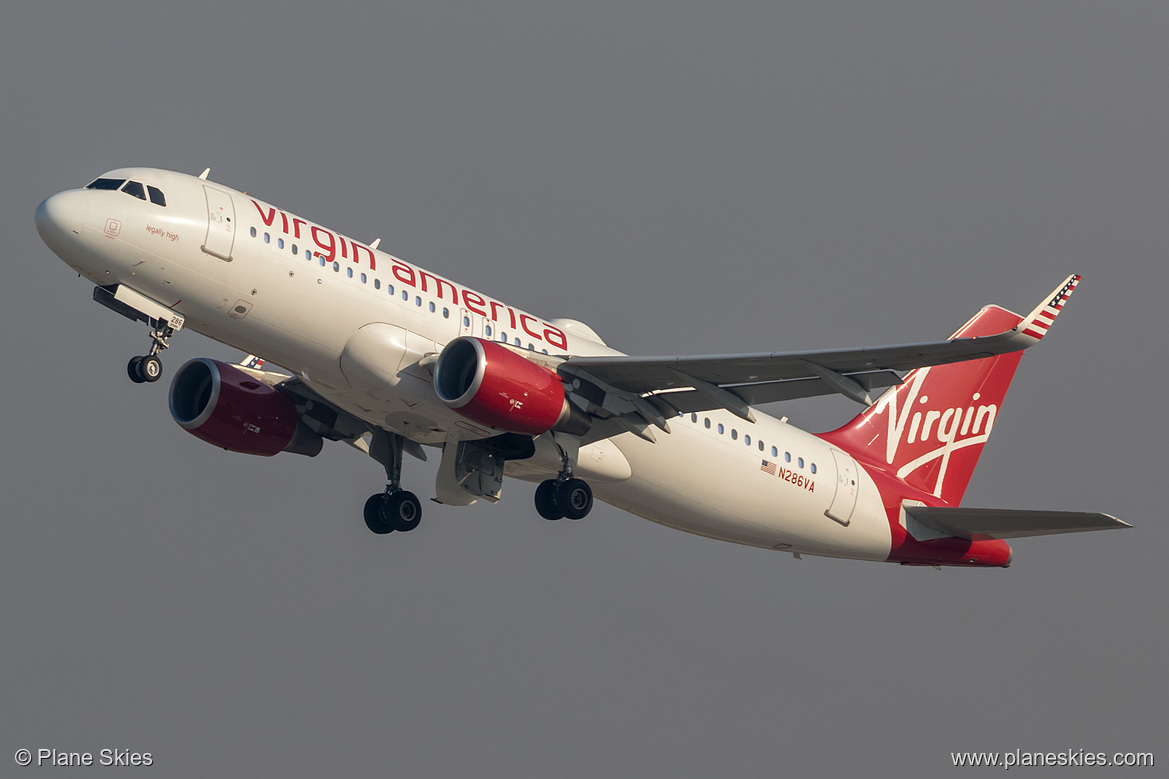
(156, 196)
(106, 184)
(136, 189)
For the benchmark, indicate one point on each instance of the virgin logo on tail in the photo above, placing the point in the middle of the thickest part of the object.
(917, 425)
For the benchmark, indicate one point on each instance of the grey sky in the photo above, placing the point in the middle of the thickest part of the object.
(685, 178)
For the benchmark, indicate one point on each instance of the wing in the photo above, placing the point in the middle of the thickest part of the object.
(637, 391)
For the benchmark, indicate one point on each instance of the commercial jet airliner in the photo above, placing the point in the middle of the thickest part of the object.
(393, 359)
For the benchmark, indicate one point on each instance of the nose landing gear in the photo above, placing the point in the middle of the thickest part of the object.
(163, 324)
(148, 368)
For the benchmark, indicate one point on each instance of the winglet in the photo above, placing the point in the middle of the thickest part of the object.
(1035, 325)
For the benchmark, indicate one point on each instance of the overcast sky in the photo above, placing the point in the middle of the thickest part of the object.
(687, 178)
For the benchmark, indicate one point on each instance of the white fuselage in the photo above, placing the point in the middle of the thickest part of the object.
(315, 302)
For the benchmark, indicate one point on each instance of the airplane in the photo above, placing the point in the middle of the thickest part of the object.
(393, 359)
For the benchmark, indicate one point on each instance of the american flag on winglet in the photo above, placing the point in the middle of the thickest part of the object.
(1039, 325)
(768, 466)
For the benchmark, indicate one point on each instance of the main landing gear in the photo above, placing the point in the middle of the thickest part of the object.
(566, 495)
(390, 511)
(394, 509)
(569, 497)
(148, 368)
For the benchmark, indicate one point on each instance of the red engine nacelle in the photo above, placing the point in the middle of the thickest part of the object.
(226, 407)
(494, 386)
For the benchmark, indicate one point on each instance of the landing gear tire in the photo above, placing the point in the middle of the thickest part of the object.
(401, 511)
(575, 498)
(132, 370)
(150, 368)
(144, 369)
(546, 500)
(373, 515)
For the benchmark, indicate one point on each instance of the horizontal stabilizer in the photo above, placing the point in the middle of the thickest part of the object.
(1009, 523)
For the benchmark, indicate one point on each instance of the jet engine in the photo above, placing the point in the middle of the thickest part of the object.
(226, 407)
(494, 386)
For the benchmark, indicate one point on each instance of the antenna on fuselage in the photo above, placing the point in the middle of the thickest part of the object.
(376, 241)
(203, 175)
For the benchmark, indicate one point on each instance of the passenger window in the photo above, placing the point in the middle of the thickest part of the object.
(377, 283)
(111, 184)
(363, 278)
(390, 288)
(774, 452)
(405, 295)
(267, 238)
(487, 331)
(136, 189)
(322, 261)
(503, 336)
(800, 462)
(813, 467)
(156, 196)
(734, 434)
(349, 272)
(693, 417)
(747, 440)
(295, 251)
(761, 446)
(517, 340)
(336, 267)
(280, 243)
(432, 308)
(706, 421)
(446, 313)
(418, 301)
(720, 428)
(253, 231)
(466, 321)
(787, 457)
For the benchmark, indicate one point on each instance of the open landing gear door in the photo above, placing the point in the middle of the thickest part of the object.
(468, 471)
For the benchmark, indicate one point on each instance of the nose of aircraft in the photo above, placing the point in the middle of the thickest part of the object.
(60, 217)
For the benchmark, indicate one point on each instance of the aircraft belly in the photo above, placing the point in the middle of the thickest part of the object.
(691, 481)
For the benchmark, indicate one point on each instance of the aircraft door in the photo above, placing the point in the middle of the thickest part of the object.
(220, 224)
(847, 486)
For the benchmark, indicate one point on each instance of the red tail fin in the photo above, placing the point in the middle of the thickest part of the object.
(930, 430)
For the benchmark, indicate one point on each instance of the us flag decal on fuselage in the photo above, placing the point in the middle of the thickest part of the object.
(788, 475)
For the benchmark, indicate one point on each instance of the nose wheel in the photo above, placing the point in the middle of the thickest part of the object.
(144, 369)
